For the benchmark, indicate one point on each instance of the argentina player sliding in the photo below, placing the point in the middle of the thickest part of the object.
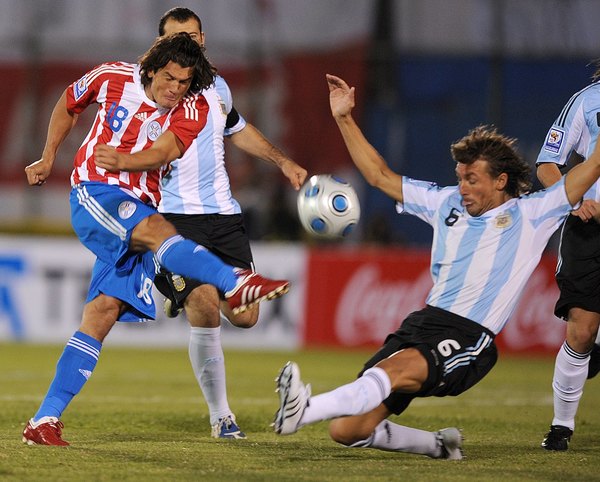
(489, 235)
(143, 118)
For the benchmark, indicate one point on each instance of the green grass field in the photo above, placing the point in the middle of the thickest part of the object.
(142, 417)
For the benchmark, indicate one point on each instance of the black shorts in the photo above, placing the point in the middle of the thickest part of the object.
(578, 271)
(459, 353)
(222, 234)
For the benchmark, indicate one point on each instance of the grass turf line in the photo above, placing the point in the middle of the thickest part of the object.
(142, 417)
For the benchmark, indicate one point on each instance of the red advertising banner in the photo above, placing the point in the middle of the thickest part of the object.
(355, 297)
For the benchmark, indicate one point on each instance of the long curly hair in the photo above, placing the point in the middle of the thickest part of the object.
(181, 49)
(485, 143)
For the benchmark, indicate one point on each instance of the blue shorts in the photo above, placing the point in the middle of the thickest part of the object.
(134, 287)
(103, 217)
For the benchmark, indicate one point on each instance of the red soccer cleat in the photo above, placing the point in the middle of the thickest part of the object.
(46, 431)
(252, 288)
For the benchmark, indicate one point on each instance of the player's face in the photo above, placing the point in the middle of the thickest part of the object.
(479, 190)
(169, 84)
(190, 26)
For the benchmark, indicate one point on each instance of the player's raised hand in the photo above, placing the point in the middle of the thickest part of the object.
(107, 157)
(37, 172)
(341, 96)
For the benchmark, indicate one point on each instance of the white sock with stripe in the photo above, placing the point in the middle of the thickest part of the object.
(361, 396)
(570, 373)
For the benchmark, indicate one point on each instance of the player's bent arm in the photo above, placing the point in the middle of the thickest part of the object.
(61, 123)
(253, 142)
(368, 161)
(167, 148)
(581, 177)
(548, 173)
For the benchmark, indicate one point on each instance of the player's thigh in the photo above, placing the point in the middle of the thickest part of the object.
(151, 232)
(104, 218)
(408, 370)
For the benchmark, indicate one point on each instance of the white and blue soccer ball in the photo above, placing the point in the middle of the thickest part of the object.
(328, 206)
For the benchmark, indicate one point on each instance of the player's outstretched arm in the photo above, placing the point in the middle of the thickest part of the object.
(579, 179)
(166, 149)
(366, 158)
(253, 142)
(61, 123)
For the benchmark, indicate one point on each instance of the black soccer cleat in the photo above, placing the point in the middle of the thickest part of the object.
(594, 366)
(557, 438)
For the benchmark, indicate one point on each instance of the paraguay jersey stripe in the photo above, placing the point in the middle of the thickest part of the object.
(128, 120)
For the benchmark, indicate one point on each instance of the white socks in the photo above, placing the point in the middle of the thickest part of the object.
(208, 363)
(361, 396)
(398, 438)
(570, 373)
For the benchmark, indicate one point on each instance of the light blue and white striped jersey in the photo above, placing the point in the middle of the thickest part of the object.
(575, 129)
(480, 265)
(198, 182)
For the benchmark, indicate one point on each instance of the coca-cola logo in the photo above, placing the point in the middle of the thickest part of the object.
(370, 307)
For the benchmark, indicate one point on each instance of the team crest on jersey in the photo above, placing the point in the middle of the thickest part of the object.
(503, 220)
(554, 140)
(126, 209)
(80, 88)
(154, 130)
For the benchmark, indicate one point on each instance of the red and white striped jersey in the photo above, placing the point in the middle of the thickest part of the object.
(129, 121)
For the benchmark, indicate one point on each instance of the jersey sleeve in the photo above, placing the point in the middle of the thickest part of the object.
(189, 118)
(549, 205)
(84, 91)
(235, 121)
(571, 131)
(422, 199)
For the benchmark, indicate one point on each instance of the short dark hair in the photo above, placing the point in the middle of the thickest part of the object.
(485, 143)
(181, 49)
(179, 14)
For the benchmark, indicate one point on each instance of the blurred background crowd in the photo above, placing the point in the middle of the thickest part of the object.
(425, 72)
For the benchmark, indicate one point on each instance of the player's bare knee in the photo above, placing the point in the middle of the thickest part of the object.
(582, 329)
(100, 315)
(202, 307)
(345, 433)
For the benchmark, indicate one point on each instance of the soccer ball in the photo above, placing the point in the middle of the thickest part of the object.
(328, 206)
